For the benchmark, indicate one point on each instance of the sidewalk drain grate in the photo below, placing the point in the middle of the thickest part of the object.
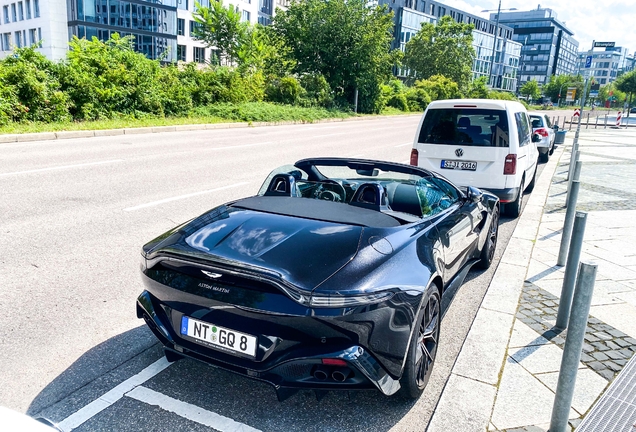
(616, 410)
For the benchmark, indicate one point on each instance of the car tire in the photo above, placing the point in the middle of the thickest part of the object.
(423, 347)
(544, 157)
(551, 152)
(513, 209)
(488, 251)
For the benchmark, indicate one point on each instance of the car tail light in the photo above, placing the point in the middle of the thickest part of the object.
(334, 362)
(414, 157)
(510, 165)
(542, 132)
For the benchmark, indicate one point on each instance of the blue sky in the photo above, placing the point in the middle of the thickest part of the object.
(607, 21)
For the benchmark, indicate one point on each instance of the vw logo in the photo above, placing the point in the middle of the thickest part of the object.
(459, 152)
(212, 275)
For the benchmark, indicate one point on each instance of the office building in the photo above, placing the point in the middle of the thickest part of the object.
(549, 47)
(606, 63)
(162, 29)
(27, 22)
(410, 14)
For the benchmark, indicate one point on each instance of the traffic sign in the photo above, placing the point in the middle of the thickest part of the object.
(588, 62)
(604, 44)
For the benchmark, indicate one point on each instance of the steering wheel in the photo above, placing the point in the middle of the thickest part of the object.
(331, 195)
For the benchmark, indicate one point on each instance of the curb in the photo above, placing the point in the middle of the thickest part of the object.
(48, 136)
(469, 395)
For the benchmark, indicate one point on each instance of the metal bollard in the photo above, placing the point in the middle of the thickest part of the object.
(574, 255)
(575, 175)
(567, 225)
(573, 345)
(605, 125)
(587, 122)
(596, 124)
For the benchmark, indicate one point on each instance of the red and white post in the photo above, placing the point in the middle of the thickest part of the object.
(618, 119)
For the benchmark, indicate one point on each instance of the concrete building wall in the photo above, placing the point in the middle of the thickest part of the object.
(34, 21)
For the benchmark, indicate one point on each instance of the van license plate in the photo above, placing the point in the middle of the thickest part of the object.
(459, 165)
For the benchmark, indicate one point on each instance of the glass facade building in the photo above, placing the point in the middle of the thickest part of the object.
(153, 23)
(606, 64)
(411, 14)
(548, 45)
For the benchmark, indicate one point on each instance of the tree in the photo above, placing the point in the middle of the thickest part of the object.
(531, 89)
(559, 85)
(221, 28)
(345, 41)
(627, 84)
(610, 93)
(439, 87)
(442, 49)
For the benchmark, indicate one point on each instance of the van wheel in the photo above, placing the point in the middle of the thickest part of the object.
(513, 209)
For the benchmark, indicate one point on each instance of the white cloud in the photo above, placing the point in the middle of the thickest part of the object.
(608, 21)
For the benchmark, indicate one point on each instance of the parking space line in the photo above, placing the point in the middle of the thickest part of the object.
(60, 167)
(180, 197)
(403, 145)
(189, 411)
(112, 396)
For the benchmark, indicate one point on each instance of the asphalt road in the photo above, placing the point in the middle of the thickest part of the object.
(74, 216)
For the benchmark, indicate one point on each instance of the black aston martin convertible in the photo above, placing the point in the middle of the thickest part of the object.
(330, 278)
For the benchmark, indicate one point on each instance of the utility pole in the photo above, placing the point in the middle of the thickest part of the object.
(494, 44)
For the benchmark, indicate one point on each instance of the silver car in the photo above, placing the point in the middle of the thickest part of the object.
(542, 126)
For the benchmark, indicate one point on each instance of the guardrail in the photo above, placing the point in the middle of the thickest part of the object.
(591, 121)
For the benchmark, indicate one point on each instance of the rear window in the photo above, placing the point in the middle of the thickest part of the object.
(466, 127)
(537, 121)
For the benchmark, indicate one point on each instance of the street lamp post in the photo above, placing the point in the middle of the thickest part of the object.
(494, 44)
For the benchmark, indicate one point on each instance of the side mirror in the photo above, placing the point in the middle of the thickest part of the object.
(474, 194)
(536, 138)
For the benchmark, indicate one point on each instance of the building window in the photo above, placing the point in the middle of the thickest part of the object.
(28, 9)
(6, 42)
(182, 4)
(246, 16)
(180, 27)
(6, 14)
(21, 11)
(181, 52)
(36, 6)
(33, 38)
(199, 55)
(18, 39)
(14, 12)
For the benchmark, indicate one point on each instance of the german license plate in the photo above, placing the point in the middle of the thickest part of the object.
(459, 165)
(210, 334)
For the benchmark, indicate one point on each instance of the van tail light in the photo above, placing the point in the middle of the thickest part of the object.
(542, 132)
(414, 157)
(510, 165)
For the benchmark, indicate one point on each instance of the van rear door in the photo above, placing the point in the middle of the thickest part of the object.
(467, 145)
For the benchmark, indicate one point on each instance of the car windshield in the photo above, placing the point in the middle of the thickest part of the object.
(466, 127)
(400, 192)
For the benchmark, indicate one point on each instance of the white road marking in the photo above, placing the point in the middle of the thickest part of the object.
(358, 156)
(112, 396)
(60, 167)
(322, 136)
(239, 146)
(189, 411)
(180, 197)
(402, 145)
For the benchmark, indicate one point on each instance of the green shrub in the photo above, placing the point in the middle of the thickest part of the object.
(266, 112)
(417, 99)
(317, 91)
(29, 89)
(286, 90)
(439, 87)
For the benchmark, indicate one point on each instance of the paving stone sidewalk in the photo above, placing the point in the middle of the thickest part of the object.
(512, 389)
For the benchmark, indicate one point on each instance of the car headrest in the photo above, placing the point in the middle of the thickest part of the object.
(282, 185)
(463, 122)
(371, 196)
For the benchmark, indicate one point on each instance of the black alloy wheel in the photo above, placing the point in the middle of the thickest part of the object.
(488, 251)
(423, 348)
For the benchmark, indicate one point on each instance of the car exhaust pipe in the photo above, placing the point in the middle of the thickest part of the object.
(341, 374)
(320, 374)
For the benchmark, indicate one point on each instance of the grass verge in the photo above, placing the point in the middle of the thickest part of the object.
(218, 113)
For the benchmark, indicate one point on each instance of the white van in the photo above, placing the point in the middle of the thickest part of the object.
(479, 142)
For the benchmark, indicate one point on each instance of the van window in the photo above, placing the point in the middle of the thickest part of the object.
(523, 128)
(465, 126)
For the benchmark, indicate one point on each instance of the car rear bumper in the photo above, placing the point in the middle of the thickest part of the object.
(505, 195)
(290, 364)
